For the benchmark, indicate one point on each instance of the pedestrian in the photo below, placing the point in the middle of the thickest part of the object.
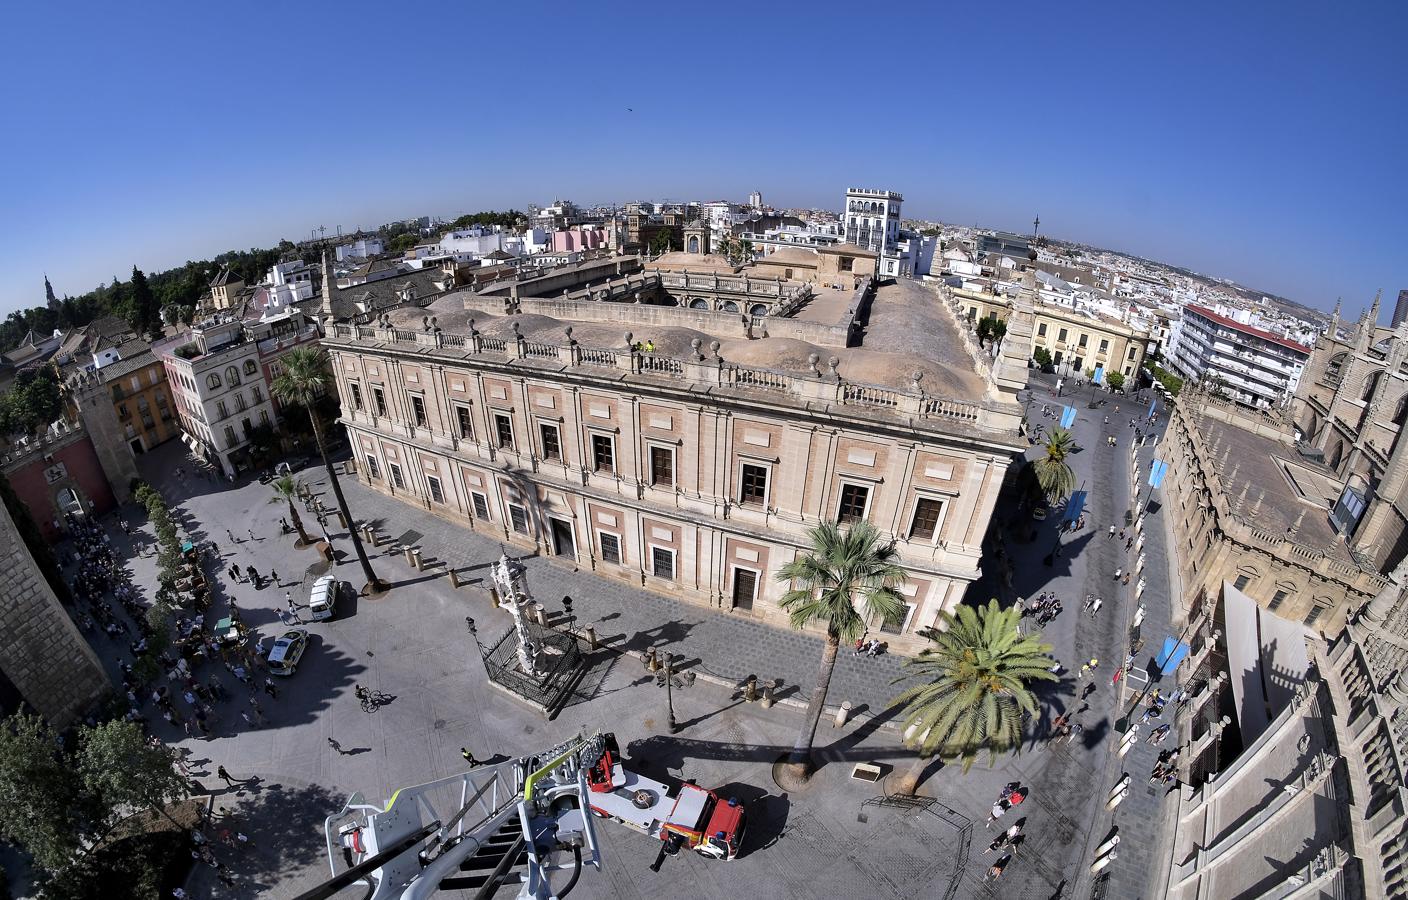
(1095, 607)
(1118, 570)
(231, 535)
(468, 757)
(1112, 531)
(270, 689)
(248, 719)
(288, 596)
(1129, 542)
(336, 746)
(274, 577)
(221, 773)
(251, 534)
(1126, 578)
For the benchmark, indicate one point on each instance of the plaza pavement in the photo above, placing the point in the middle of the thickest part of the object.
(412, 643)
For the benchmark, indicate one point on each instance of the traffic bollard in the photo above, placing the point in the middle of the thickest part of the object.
(750, 689)
(767, 694)
(454, 577)
(843, 714)
(591, 637)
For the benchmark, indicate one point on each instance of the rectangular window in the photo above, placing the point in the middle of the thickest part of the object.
(395, 471)
(895, 624)
(662, 563)
(464, 423)
(379, 400)
(481, 506)
(1276, 601)
(610, 548)
(1242, 581)
(1084, 338)
(356, 395)
(1315, 612)
(753, 487)
(436, 493)
(220, 409)
(603, 453)
(258, 394)
(853, 500)
(503, 425)
(1104, 345)
(239, 402)
(1131, 353)
(1061, 335)
(552, 443)
(418, 410)
(1041, 330)
(229, 436)
(519, 516)
(263, 417)
(925, 524)
(122, 412)
(662, 466)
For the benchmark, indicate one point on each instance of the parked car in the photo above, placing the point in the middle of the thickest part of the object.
(322, 600)
(290, 466)
(287, 651)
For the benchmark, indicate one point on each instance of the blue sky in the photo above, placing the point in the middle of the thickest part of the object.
(1262, 142)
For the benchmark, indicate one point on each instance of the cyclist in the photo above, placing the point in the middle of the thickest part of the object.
(361, 693)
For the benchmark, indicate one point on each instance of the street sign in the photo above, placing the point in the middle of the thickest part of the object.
(1068, 416)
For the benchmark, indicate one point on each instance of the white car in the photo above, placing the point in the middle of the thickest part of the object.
(322, 600)
(287, 651)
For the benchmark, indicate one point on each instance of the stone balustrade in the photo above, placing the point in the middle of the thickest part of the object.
(822, 385)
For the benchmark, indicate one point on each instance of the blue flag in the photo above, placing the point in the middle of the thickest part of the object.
(1157, 469)
(1074, 507)
(1172, 653)
(1153, 406)
(1068, 416)
(1099, 375)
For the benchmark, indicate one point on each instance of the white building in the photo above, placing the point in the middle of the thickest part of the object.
(1252, 366)
(221, 394)
(755, 199)
(361, 248)
(873, 222)
(480, 241)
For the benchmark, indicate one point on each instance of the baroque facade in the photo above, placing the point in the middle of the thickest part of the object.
(694, 469)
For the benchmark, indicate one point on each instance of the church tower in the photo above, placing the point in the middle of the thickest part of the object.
(49, 299)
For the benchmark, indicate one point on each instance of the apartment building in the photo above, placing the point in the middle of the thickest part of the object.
(1246, 364)
(692, 467)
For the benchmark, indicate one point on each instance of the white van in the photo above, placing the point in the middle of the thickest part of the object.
(322, 601)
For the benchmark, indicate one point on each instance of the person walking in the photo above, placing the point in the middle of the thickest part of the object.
(1118, 571)
(1095, 607)
(1112, 531)
(274, 577)
(336, 746)
(468, 757)
(251, 534)
(224, 775)
(270, 689)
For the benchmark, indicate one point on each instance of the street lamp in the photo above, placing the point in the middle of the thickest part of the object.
(567, 608)
(669, 692)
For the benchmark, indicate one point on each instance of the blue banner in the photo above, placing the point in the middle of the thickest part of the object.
(1068, 416)
(1153, 407)
(1157, 470)
(1074, 507)
(1099, 375)
(1172, 653)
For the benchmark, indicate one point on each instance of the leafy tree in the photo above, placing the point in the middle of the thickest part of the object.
(1042, 357)
(403, 242)
(661, 241)
(143, 311)
(1116, 381)
(32, 402)
(1171, 382)
(285, 489)
(306, 376)
(846, 578)
(125, 773)
(1053, 473)
(45, 811)
(973, 688)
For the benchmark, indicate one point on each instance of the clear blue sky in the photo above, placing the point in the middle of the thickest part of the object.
(1262, 142)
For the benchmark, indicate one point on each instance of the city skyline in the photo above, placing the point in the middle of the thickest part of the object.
(150, 152)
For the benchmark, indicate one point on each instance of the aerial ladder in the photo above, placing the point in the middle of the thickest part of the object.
(527, 821)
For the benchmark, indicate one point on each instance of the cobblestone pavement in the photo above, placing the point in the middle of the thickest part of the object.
(411, 643)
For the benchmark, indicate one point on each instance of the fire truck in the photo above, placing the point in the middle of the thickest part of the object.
(527, 821)
(683, 816)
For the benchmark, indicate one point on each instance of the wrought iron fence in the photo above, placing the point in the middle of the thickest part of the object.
(561, 653)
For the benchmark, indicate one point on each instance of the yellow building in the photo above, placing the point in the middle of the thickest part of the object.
(1081, 338)
(140, 397)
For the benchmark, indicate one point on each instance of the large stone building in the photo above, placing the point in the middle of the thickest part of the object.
(44, 660)
(688, 447)
(1350, 413)
(1242, 362)
(63, 470)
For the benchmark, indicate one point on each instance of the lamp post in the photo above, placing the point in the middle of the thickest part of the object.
(669, 694)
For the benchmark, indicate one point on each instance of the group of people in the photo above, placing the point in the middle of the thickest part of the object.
(1045, 607)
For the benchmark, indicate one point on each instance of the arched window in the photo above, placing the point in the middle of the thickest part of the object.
(232, 376)
(1334, 371)
(729, 306)
(212, 380)
(250, 367)
(1336, 455)
(1370, 384)
(699, 303)
(693, 244)
(758, 309)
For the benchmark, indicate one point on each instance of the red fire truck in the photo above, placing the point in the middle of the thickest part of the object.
(693, 817)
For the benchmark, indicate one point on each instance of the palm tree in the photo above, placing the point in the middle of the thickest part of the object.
(286, 489)
(974, 688)
(1053, 473)
(842, 571)
(305, 378)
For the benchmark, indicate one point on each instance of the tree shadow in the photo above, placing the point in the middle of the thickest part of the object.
(276, 819)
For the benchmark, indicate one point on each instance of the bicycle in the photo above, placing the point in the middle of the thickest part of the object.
(373, 700)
